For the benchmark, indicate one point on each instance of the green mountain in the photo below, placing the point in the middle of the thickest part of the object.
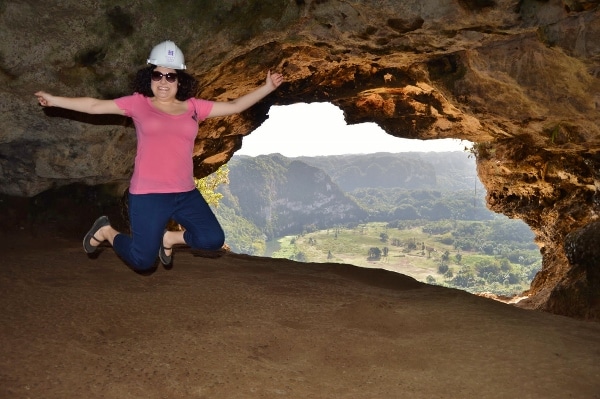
(286, 196)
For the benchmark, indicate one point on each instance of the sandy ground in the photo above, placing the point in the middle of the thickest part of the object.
(233, 326)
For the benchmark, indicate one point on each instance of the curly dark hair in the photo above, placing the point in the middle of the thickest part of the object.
(186, 84)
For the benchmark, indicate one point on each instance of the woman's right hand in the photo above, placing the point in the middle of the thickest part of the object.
(44, 98)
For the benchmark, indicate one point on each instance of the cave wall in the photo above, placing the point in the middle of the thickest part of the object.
(520, 79)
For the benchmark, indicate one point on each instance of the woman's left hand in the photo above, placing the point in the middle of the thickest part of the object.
(274, 80)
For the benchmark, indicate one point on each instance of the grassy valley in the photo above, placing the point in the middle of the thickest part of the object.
(434, 258)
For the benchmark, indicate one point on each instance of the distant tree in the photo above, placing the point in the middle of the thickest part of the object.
(489, 270)
(514, 278)
(487, 247)
(374, 253)
(458, 258)
(466, 244)
(385, 251)
(442, 268)
(429, 251)
(329, 255)
(383, 237)
(446, 256)
(447, 240)
(464, 278)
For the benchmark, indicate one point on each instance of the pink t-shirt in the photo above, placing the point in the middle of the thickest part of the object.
(165, 143)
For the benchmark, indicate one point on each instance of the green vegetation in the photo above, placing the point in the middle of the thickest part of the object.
(484, 150)
(243, 236)
(496, 256)
(208, 185)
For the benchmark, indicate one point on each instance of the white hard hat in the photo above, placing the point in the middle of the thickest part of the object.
(168, 55)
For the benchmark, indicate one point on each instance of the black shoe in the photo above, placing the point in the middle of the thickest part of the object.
(98, 224)
(164, 258)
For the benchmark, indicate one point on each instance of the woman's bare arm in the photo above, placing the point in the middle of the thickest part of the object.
(246, 101)
(88, 105)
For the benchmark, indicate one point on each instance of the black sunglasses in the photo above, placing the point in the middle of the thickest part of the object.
(157, 76)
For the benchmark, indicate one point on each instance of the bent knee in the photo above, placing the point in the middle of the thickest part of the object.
(217, 243)
(144, 263)
(211, 243)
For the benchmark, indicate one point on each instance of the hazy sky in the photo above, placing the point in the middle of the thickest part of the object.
(320, 129)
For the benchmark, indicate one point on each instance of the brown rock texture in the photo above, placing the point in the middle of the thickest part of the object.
(520, 79)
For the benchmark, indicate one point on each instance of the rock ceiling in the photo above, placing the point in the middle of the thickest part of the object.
(520, 79)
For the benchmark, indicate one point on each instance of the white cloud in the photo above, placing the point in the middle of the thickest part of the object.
(320, 129)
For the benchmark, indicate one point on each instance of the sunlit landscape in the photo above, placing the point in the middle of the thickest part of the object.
(443, 253)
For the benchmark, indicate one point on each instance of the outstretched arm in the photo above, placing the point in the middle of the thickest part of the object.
(81, 104)
(246, 101)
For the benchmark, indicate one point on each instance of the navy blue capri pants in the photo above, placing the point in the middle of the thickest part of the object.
(148, 217)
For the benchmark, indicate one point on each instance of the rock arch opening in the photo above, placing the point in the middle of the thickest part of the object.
(411, 206)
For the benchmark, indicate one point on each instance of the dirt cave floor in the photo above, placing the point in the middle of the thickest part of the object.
(232, 326)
